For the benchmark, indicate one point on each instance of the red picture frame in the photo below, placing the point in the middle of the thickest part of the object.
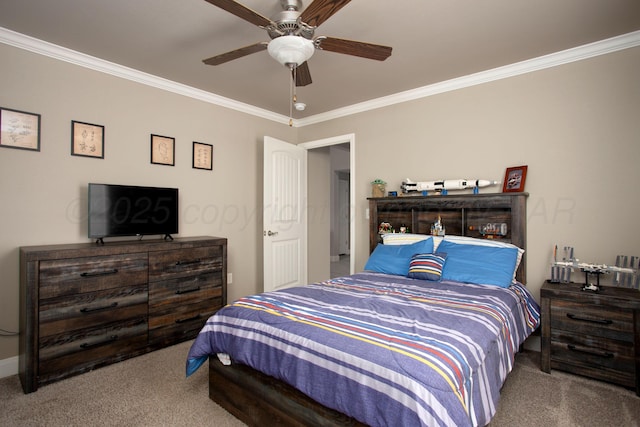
(514, 179)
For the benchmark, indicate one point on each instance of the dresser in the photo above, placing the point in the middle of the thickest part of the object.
(592, 334)
(84, 306)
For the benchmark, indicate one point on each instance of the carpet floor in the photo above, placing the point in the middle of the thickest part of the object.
(151, 390)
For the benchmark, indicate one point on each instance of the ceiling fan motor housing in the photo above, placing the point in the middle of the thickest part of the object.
(291, 4)
(286, 23)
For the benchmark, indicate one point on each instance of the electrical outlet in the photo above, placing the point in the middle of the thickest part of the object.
(229, 278)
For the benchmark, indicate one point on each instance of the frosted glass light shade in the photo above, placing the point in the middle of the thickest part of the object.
(290, 49)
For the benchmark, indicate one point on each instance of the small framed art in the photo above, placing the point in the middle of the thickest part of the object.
(514, 179)
(163, 150)
(87, 140)
(19, 129)
(202, 156)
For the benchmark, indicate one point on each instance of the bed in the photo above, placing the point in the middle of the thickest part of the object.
(426, 335)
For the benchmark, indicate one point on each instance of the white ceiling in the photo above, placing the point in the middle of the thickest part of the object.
(432, 40)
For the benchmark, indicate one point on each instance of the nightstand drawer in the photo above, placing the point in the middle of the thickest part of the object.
(597, 357)
(592, 320)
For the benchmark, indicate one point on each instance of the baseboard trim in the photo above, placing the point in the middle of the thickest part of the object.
(9, 367)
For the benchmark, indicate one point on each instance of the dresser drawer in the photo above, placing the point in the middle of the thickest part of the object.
(185, 262)
(181, 323)
(599, 321)
(92, 308)
(166, 294)
(79, 275)
(70, 352)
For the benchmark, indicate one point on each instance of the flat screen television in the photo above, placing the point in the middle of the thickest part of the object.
(127, 210)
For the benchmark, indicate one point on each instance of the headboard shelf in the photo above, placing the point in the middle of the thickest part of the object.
(461, 215)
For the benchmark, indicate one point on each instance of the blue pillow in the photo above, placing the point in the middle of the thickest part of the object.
(394, 259)
(427, 266)
(479, 264)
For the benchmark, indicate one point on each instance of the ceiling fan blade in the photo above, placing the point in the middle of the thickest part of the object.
(241, 12)
(321, 10)
(303, 76)
(235, 54)
(350, 47)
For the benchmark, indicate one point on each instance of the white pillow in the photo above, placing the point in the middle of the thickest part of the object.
(403, 238)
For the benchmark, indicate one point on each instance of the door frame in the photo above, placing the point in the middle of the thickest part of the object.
(349, 138)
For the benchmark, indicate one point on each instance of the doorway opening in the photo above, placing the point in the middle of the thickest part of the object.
(335, 254)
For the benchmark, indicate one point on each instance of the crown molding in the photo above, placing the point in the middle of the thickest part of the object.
(51, 50)
(579, 53)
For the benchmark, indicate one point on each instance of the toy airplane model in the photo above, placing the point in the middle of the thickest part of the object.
(561, 270)
(409, 186)
(594, 268)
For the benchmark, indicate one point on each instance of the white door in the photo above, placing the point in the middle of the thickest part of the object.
(284, 215)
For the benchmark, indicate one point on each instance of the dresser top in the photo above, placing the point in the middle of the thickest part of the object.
(71, 250)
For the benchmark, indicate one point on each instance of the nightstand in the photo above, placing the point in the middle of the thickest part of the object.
(592, 334)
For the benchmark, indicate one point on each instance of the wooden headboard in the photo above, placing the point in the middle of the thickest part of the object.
(461, 215)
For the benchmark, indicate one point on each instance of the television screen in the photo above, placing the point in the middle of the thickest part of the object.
(126, 210)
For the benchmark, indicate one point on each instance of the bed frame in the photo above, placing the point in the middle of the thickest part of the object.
(258, 399)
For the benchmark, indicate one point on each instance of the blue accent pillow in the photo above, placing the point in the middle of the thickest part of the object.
(395, 259)
(479, 264)
(427, 266)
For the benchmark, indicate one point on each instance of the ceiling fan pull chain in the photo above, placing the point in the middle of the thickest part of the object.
(292, 94)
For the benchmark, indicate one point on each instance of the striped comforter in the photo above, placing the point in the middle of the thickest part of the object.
(386, 350)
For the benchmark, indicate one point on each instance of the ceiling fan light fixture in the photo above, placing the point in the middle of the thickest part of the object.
(291, 50)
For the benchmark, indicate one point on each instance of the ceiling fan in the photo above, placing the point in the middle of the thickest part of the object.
(292, 36)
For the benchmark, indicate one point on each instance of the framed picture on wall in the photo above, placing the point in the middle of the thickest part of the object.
(202, 156)
(163, 150)
(87, 140)
(19, 129)
(514, 179)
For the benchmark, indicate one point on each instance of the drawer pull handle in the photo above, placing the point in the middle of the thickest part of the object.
(583, 319)
(87, 345)
(100, 273)
(189, 319)
(194, 261)
(187, 291)
(606, 354)
(91, 310)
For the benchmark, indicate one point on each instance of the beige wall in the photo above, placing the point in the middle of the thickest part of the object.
(577, 127)
(43, 194)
